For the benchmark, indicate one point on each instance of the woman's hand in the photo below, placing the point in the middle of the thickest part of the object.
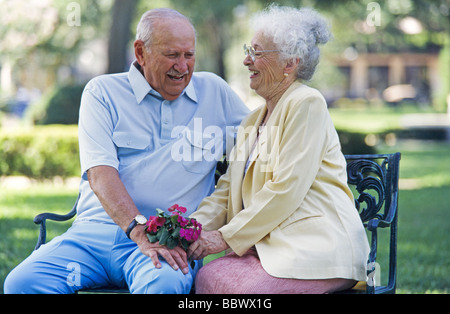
(209, 242)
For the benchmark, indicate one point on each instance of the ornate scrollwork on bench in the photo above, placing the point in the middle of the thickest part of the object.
(375, 179)
(367, 175)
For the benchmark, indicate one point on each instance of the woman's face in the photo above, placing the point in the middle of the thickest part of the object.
(266, 72)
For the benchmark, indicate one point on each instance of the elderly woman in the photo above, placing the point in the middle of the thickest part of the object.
(283, 207)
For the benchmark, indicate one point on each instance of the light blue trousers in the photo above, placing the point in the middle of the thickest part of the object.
(91, 255)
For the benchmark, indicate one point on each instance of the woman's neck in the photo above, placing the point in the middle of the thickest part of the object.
(273, 99)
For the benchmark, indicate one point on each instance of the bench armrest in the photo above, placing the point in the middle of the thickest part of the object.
(42, 218)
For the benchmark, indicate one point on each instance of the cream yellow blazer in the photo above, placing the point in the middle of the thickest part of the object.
(298, 210)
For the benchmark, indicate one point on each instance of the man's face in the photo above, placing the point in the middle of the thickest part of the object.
(169, 65)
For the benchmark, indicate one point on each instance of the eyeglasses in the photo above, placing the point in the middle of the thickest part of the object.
(250, 51)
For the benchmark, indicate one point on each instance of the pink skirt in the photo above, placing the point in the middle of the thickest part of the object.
(233, 274)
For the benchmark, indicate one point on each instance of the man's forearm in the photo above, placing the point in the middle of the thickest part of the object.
(107, 186)
(118, 204)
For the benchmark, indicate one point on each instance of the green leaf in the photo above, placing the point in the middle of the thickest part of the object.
(152, 238)
(172, 242)
(185, 243)
(174, 219)
(164, 236)
(159, 233)
(176, 232)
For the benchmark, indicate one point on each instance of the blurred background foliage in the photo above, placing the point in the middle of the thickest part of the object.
(387, 58)
(52, 43)
(49, 49)
(40, 153)
(386, 77)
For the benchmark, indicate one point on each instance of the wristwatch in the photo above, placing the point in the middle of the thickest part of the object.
(138, 220)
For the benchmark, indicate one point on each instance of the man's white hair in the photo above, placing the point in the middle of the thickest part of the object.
(146, 25)
(296, 33)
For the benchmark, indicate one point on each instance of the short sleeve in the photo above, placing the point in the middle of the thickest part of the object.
(95, 129)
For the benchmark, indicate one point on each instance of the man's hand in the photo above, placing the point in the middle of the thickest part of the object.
(209, 242)
(106, 184)
(176, 258)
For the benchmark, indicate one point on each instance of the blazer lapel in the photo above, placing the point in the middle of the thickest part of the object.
(246, 139)
(270, 133)
(254, 149)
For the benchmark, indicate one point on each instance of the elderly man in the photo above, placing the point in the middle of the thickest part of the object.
(132, 164)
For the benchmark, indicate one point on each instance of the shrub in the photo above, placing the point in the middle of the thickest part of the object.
(60, 106)
(354, 143)
(48, 151)
(40, 152)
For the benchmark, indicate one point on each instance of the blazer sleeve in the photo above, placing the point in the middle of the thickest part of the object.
(302, 146)
(212, 211)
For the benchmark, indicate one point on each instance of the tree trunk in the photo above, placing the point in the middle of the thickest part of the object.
(119, 36)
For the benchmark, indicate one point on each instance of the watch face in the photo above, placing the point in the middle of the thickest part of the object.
(140, 219)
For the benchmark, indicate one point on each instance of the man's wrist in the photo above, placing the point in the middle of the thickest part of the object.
(138, 234)
(138, 220)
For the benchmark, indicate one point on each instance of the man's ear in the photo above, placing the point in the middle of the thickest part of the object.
(140, 51)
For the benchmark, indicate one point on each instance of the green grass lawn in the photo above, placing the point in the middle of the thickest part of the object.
(18, 233)
(424, 215)
(355, 120)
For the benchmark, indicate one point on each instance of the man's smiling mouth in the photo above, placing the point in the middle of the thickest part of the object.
(177, 78)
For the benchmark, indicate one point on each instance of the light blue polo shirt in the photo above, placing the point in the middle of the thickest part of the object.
(165, 151)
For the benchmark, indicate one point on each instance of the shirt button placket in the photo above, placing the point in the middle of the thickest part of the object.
(166, 121)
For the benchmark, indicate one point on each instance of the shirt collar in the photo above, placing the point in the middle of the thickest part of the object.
(190, 91)
(141, 87)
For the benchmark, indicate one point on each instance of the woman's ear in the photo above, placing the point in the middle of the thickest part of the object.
(292, 65)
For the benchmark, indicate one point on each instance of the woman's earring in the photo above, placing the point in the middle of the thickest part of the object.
(286, 74)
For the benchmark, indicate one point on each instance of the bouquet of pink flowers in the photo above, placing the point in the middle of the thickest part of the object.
(173, 230)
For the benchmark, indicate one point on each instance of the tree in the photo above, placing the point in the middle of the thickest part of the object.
(212, 20)
(38, 38)
(119, 36)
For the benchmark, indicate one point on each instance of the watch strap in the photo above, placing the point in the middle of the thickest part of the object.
(131, 227)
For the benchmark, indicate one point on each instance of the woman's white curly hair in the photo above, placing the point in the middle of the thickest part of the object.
(296, 33)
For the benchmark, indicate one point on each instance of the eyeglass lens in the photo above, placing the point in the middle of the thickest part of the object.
(249, 51)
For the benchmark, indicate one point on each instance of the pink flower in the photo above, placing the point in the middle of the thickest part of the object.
(187, 234)
(182, 209)
(182, 221)
(154, 222)
(189, 228)
(151, 226)
(196, 224)
(177, 208)
(196, 234)
(182, 233)
(160, 221)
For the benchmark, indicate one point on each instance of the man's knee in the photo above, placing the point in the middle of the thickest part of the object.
(15, 283)
(164, 280)
(29, 279)
(23, 281)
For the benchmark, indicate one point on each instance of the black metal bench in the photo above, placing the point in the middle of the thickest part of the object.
(374, 179)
